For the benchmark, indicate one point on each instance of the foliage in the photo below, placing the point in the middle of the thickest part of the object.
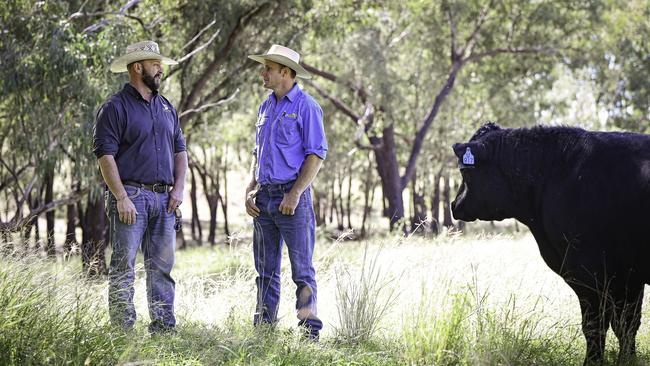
(50, 315)
(522, 63)
(620, 64)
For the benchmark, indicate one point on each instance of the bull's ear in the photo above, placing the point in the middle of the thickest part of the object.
(459, 149)
(469, 154)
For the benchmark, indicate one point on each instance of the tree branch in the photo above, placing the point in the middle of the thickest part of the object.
(217, 89)
(14, 174)
(358, 90)
(395, 40)
(452, 30)
(103, 22)
(201, 47)
(209, 70)
(340, 105)
(198, 35)
(421, 134)
(471, 40)
(510, 50)
(209, 105)
(17, 222)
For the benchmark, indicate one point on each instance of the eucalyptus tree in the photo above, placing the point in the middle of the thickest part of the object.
(383, 48)
(216, 36)
(46, 112)
(619, 63)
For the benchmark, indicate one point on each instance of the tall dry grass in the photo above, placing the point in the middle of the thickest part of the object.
(483, 300)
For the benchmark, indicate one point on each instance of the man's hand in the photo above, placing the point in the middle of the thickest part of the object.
(251, 209)
(289, 203)
(126, 211)
(175, 198)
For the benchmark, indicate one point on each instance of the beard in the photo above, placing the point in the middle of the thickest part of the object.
(151, 82)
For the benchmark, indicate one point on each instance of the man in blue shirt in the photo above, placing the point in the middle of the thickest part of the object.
(290, 147)
(141, 153)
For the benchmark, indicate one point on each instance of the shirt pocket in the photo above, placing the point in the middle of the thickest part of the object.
(287, 132)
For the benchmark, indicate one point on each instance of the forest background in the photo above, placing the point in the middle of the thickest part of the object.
(399, 82)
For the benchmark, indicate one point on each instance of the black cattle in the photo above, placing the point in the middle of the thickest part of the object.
(585, 196)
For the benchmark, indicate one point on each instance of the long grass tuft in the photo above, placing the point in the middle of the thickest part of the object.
(437, 335)
(46, 319)
(362, 299)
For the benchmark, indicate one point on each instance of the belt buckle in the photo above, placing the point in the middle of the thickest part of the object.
(158, 188)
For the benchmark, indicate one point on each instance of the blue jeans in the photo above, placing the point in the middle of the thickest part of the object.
(154, 233)
(271, 230)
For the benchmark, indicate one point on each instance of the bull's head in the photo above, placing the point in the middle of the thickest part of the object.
(485, 192)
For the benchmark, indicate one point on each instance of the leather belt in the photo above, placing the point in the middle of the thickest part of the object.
(156, 187)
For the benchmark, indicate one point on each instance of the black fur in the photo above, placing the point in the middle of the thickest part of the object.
(585, 196)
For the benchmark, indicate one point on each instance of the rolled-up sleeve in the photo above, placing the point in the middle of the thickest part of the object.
(313, 131)
(179, 139)
(106, 137)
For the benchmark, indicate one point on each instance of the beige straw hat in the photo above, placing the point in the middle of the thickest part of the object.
(145, 50)
(284, 56)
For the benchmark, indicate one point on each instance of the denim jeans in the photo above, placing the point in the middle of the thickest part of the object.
(154, 233)
(271, 230)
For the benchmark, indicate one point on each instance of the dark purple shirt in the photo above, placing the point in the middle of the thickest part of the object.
(142, 136)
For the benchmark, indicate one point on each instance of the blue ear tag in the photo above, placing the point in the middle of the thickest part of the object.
(468, 158)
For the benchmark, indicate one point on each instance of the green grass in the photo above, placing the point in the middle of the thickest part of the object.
(482, 300)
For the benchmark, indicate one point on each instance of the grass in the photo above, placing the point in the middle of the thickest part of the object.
(363, 295)
(452, 300)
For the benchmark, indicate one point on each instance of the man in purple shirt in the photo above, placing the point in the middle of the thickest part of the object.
(290, 147)
(141, 153)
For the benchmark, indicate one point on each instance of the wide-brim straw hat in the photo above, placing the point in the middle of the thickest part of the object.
(145, 50)
(283, 56)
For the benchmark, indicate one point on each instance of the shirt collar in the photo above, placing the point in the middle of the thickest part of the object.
(129, 89)
(291, 95)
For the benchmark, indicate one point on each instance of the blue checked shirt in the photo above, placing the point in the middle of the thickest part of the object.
(286, 132)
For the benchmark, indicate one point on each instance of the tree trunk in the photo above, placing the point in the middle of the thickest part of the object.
(70, 231)
(388, 169)
(446, 196)
(27, 231)
(197, 232)
(181, 244)
(71, 225)
(6, 244)
(332, 201)
(340, 210)
(94, 238)
(319, 207)
(348, 203)
(213, 203)
(211, 191)
(368, 189)
(50, 247)
(33, 201)
(224, 198)
(418, 214)
(435, 204)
